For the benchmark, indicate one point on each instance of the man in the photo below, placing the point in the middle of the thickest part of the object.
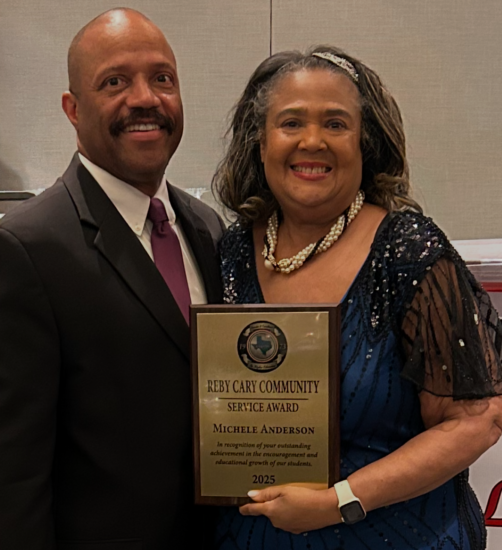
(95, 427)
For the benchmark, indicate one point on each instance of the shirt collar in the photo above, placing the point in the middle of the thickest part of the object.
(131, 203)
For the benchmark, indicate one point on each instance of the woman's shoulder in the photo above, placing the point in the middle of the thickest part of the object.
(406, 246)
(410, 238)
(236, 236)
(237, 264)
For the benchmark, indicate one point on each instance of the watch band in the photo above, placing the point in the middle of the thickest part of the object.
(344, 493)
(349, 505)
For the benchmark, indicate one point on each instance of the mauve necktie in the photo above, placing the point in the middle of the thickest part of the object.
(167, 255)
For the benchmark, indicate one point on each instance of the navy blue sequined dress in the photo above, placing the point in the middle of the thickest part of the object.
(413, 318)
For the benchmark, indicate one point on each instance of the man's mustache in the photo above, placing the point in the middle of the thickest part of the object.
(138, 116)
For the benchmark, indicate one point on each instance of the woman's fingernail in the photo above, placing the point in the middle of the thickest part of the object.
(252, 494)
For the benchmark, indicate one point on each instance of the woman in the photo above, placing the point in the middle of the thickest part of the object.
(317, 174)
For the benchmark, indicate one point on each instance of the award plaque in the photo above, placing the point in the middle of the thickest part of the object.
(265, 385)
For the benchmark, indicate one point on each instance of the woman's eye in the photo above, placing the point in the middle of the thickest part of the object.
(336, 124)
(291, 124)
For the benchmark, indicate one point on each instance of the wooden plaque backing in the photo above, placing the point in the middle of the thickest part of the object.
(333, 377)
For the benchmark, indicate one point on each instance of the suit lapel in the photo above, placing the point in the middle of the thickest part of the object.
(120, 246)
(202, 243)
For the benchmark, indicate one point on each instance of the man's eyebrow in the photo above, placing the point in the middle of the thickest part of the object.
(124, 67)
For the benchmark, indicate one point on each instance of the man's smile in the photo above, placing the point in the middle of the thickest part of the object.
(141, 127)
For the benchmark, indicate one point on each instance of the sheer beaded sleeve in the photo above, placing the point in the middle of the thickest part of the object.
(452, 335)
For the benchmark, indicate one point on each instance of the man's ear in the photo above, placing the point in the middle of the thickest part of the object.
(69, 104)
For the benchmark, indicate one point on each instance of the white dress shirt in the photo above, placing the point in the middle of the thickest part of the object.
(133, 206)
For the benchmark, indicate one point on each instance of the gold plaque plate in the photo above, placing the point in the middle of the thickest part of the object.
(265, 396)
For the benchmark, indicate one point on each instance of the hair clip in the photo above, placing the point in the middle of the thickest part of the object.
(339, 62)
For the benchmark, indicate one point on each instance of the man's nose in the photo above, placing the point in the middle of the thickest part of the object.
(312, 138)
(142, 95)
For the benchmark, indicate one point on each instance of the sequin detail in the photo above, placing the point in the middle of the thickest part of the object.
(392, 344)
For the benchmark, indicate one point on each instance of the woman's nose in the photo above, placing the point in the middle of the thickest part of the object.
(312, 138)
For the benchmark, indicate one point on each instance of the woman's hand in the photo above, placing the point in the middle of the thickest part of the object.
(295, 509)
(458, 433)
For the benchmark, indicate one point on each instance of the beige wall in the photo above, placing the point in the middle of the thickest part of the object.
(217, 44)
(440, 59)
(442, 62)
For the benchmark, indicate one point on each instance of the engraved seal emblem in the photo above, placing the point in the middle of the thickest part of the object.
(262, 346)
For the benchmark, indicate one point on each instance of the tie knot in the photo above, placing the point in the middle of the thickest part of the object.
(157, 213)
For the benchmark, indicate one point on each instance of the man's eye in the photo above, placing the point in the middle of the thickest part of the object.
(113, 81)
(165, 78)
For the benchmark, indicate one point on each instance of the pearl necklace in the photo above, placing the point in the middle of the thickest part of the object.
(287, 265)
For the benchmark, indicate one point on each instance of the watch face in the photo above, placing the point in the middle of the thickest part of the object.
(352, 512)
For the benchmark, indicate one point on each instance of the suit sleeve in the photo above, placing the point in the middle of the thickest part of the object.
(29, 377)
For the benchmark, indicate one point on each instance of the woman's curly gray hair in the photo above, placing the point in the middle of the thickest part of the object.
(240, 183)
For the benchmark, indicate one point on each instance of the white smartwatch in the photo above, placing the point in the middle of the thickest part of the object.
(349, 505)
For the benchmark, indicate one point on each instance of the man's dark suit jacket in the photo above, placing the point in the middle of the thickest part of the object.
(95, 402)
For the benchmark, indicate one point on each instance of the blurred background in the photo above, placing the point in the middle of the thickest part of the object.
(440, 59)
